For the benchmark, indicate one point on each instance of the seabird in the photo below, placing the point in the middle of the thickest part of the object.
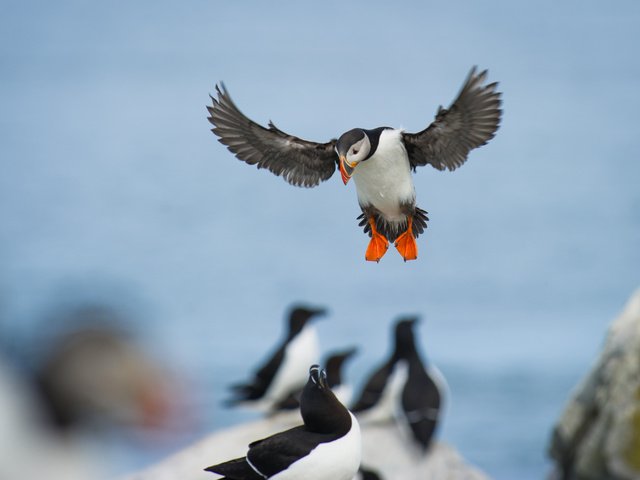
(285, 370)
(90, 380)
(97, 373)
(333, 366)
(327, 446)
(403, 389)
(380, 160)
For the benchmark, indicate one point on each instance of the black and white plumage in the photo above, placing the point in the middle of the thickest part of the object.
(285, 370)
(402, 389)
(327, 446)
(333, 366)
(380, 160)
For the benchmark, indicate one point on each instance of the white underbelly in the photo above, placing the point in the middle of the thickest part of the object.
(337, 460)
(384, 180)
(301, 353)
(387, 407)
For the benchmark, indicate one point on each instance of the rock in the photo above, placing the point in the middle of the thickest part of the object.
(598, 435)
(384, 451)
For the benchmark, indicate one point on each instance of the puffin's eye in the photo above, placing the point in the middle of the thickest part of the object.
(355, 151)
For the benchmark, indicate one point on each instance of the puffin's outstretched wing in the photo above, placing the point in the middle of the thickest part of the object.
(470, 121)
(299, 162)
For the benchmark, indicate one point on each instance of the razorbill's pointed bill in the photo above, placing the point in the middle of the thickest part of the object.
(285, 370)
(403, 389)
(341, 390)
(380, 160)
(326, 447)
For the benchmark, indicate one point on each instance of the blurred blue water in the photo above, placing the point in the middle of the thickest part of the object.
(114, 190)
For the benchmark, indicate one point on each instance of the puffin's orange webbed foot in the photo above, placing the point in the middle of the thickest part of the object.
(378, 244)
(377, 248)
(406, 243)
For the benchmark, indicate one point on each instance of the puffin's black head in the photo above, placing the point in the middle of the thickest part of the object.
(352, 147)
(320, 409)
(299, 317)
(404, 338)
(334, 365)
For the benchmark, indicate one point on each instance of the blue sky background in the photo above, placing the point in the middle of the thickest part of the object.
(114, 191)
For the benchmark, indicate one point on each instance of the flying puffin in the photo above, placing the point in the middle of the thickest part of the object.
(341, 390)
(285, 370)
(402, 389)
(380, 160)
(326, 447)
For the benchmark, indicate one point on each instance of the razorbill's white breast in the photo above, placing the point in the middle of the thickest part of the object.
(286, 369)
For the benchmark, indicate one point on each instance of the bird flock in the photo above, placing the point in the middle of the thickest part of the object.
(402, 390)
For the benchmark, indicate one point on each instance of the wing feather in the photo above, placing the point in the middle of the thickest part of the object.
(372, 391)
(471, 121)
(300, 162)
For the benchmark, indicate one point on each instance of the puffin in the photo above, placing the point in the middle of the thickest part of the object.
(333, 365)
(380, 160)
(404, 390)
(90, 380)
(326, 447)
(285, 370)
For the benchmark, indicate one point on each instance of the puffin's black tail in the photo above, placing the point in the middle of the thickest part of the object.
(420, 220)
(390, 230)
(237, 469)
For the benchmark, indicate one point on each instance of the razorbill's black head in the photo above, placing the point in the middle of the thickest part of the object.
(321, 411)
(403, 389)
(380, 160)
(326, 447)
(284, 371)
(404, 340)
(300, 316)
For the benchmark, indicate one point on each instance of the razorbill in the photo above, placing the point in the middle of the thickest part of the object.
(326, 447)
(333, 365)
(380, 160)
(285, 370)
(404, 390)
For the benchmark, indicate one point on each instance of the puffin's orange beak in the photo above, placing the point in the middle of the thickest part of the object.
(346, 169)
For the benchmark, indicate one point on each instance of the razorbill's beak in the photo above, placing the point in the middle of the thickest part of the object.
(318, 376)
(346, 169)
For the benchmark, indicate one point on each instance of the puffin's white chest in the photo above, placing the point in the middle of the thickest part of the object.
(384, 180)
(337, 460)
